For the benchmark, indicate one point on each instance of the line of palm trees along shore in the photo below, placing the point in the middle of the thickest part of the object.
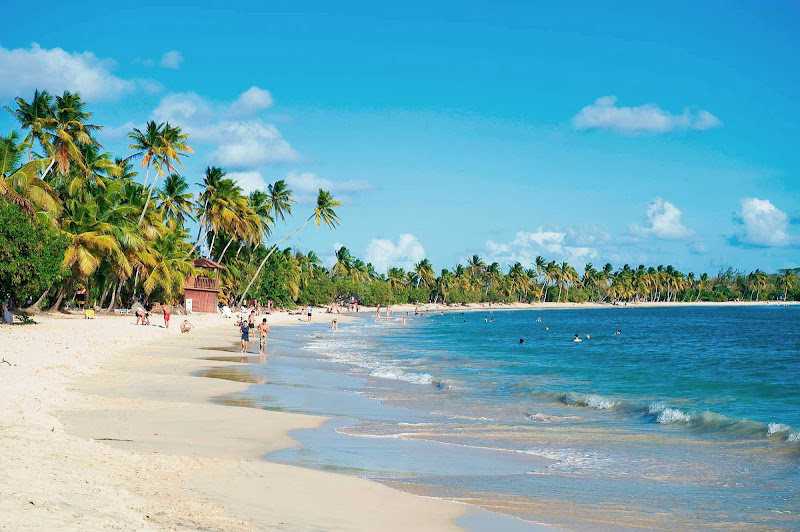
(124, 240)
(544, 281)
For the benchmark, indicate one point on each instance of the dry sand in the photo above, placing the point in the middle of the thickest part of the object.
(77, 390)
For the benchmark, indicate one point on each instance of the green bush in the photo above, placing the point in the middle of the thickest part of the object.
(31, 254)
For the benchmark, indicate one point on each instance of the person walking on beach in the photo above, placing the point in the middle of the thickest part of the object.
(308, 310)
(166, 316)
(378, 313)
(334, 324)
(263, 331)
(251, 320)
(245, 330)
(387, 313)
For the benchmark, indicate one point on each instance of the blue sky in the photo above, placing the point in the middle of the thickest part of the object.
(618, 131)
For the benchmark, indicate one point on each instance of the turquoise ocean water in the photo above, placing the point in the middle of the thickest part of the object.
(688, 419)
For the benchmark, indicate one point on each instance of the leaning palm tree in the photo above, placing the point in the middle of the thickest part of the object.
(324, 212)
(23, 187)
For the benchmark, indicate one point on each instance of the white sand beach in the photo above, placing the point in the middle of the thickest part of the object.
(97, 435)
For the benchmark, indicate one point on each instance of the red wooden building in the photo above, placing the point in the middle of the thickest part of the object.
(200, 293)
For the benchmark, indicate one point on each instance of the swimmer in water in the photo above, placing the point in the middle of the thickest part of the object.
(547, 328)
(588, 337)
(521, 341)
(539, 319)
(576, 339)
(486, 319)
(618, 332)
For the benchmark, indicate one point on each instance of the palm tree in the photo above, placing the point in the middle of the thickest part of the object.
(702, 284)
(280, 198)
(146, 145)
(171, 148)
(34, 116)
(423, 273)
(396, 277)
(324, 212)
(22, 187)
(174, 202)
(69, 130)
(786, 281)
(343, 264)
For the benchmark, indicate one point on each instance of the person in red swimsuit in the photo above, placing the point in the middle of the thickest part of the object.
(166, 316)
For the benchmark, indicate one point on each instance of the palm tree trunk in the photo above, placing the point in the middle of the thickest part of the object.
(49, 167)
(35, 307)
(263, 262)
(222, 255)
(559, 293)
(112, 304)
(149, 194)
(146, 175)
(211, 247)
(59, 298)
(102, 299)
(200, 237)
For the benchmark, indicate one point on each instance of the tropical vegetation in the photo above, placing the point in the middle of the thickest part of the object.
(117, 228)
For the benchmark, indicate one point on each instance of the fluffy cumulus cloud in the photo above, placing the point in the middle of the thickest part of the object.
(663, 220)
(305, 187)
(252, 100)
(604, 113)
(573, 245)
(248, 181)
(172, 60)
(26, 69)
(383, 253)
(763, 224)
(242, 140)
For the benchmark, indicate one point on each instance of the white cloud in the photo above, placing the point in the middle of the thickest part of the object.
(763, 223)
(305, 187)
(248, 143)
(572, 245)
(171, 59)
(251, 101)
(149, 63)
(649, 118)
(663, 221)
(383, 253)
(240, 144)
(24, 70)
(249, 181)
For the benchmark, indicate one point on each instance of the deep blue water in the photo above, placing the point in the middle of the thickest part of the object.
(690, 418)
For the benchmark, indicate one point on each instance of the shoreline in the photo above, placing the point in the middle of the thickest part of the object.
(123, 451)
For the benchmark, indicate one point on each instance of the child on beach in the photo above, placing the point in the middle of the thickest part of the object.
(186, 326)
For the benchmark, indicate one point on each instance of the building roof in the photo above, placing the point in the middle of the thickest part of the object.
(207, 264)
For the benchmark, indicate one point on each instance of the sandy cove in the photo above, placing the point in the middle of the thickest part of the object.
(78, 390)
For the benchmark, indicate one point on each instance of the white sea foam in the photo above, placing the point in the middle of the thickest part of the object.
(777, 428)
(793, 437)
(672, 415)
(400, 375)
(599, 403)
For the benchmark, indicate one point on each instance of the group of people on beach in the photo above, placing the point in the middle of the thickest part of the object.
(246, 326)
(143, 318)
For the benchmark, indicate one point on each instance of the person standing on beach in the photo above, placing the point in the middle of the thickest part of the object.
(245, 330)
(166, 316)
(387, 313)
(308, 310)
(263, 331)
(378, 313)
